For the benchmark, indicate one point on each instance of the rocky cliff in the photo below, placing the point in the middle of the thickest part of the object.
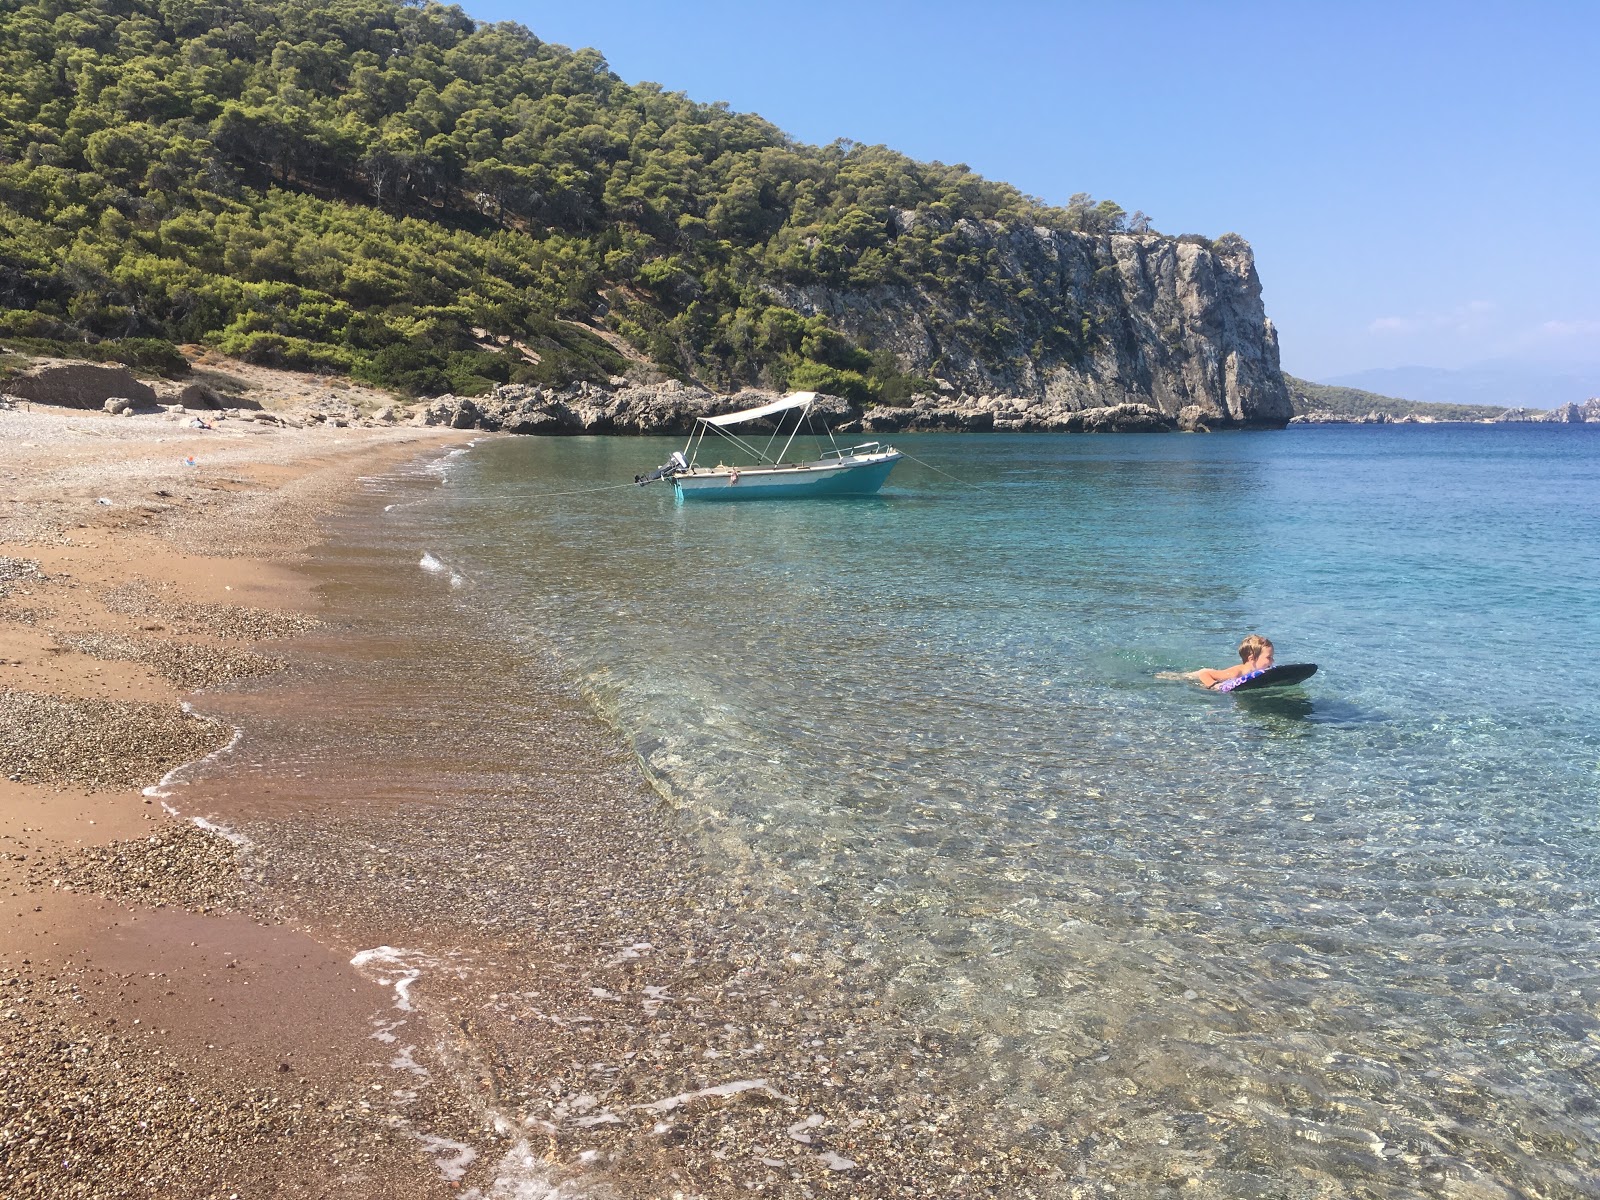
(1172, 324)
(1150, 333)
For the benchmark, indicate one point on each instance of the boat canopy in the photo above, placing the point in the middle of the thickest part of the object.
(797, 400)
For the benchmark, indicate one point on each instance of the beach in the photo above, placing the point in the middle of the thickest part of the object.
(156, 1038)
(216, 985)
(393, 813)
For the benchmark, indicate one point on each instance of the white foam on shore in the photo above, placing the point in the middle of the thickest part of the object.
(450, 1157)
(394, 968)
(523, 1175)
(435, 567)
(164, 788)
(405, 1060)
(721, 1089)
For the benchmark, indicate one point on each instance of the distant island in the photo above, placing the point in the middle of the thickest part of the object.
(1321, 403)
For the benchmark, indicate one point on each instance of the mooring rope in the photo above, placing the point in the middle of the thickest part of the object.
(946, 474)
(583, 491)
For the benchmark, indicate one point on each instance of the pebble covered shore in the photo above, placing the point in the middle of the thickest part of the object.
(98, 743)
(608, 1017)
(112, 1082)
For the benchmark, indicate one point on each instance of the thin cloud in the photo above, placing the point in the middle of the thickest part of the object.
(1562, 330)
(1466, 318)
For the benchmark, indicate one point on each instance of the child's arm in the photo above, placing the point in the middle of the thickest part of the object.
(1210, 679)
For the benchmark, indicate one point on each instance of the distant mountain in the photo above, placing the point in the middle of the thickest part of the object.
(1309, 399)
(1502, 385)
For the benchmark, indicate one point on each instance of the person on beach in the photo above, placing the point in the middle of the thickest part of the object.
(1255, 656)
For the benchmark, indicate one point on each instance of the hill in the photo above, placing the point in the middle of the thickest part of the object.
(1347, 402)
(397, 192)
(1503, 384)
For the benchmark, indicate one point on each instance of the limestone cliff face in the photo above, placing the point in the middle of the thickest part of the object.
(1079, 333)
(1175, 325)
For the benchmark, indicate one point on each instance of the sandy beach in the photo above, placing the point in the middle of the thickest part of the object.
(154, 1038)
(406, 988)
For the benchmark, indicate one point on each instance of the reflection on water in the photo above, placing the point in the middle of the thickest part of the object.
(1296, 704)
(1334, 940)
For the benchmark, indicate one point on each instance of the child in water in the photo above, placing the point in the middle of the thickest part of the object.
(1255, 656)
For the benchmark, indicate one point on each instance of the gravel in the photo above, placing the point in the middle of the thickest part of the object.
(188, 667)
(94, 1114)
(225, 621)
(15, 572)
(99, 743)
(180, 865)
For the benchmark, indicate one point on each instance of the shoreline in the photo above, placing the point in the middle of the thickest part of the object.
(435, 1046)
(156, 1036)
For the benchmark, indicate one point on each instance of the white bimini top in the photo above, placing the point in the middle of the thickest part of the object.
(797, 400)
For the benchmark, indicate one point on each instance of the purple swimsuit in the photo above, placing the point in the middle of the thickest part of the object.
(1227, 685)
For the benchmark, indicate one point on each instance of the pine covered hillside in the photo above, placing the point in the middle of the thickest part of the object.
(394, 191)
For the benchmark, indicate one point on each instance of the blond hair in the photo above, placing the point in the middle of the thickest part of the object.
(1252, 647)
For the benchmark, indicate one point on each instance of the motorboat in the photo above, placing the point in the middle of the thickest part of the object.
(766, 473)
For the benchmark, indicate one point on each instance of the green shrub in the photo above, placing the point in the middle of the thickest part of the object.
(286, 353)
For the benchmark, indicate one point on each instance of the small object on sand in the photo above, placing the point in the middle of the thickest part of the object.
(189, 462)
(102, 500)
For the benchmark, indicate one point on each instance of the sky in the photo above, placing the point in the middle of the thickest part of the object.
(1420, 180)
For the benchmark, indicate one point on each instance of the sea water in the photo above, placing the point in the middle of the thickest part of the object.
(1336, 940)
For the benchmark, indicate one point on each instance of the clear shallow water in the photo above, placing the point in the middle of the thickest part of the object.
(1335, 941)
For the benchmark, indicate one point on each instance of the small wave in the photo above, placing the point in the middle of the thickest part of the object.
(523, 1174)
(394, 968)
(164, 788)
(435, 567)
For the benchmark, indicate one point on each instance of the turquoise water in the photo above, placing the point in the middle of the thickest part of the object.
(1339, 940)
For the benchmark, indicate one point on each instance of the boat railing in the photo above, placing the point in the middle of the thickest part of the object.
(852, 451)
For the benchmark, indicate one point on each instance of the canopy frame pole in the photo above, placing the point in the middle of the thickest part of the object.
(799, 420)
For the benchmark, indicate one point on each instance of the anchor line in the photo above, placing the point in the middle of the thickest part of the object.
(946, 474)
(583, 491)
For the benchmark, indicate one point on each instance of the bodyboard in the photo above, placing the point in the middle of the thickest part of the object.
(1278, 677)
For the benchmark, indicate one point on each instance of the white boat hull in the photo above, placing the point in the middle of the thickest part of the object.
(859, 475)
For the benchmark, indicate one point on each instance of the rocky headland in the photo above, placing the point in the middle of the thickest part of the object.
(1175, 325)
(1171, 335)
(1567, 414)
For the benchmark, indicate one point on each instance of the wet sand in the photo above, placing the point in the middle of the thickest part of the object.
(442, 955)
(155, 1038)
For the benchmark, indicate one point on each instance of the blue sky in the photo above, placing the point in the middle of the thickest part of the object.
(1420, 181)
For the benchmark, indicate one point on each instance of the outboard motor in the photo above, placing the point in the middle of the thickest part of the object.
(666, 470)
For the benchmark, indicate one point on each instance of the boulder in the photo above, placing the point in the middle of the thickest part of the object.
(198, 395)
(80, 384)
